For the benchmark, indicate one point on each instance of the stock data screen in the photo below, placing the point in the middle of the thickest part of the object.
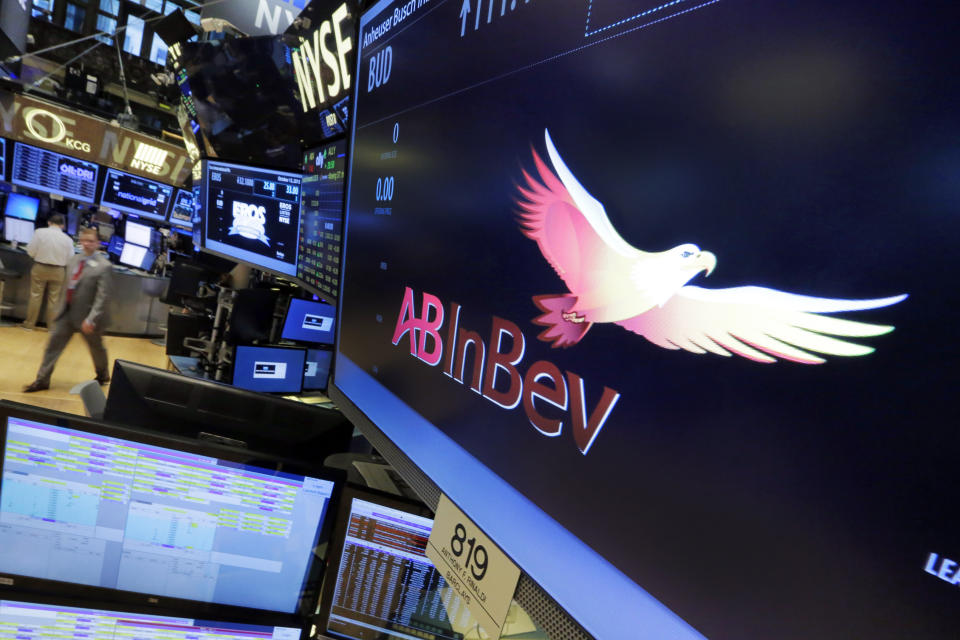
(137, 195)
(35, 621)
(387, 585)
(321, 220)
(54, 173)
(252, 215)
(96, 510)
(181, 212)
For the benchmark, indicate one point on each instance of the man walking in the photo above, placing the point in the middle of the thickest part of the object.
(84, 308)
(50, 249)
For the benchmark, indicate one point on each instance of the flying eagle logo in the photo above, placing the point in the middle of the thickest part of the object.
(648, 293)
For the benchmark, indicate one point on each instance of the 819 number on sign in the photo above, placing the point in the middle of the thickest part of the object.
(476, 559)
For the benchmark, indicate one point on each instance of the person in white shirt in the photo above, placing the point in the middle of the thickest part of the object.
(50, 249)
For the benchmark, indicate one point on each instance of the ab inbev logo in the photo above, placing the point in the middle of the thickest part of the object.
(250, 221)
(608, 280)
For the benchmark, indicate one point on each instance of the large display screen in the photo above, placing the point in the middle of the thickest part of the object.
(252, 215)
(52, 172)
(40, 621)
(181, 212)
(21, 206)
(675, 274)
(133, 194)
(96, 510)
(321, 219)
(385, 586)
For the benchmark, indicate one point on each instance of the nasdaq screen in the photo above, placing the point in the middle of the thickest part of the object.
(321, 219)
(96, 510)
(669, 281)
(55, 173)
(251, 215)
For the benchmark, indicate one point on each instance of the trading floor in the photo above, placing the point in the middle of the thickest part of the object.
(20, 353)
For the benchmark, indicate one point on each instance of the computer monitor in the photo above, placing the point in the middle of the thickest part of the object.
(321, 218)
(318, 369)
(17, 230)
(137, 233)
(269, 369)
(138, 257)
(41, 618)
(129, 511)
(21, 206)
(309, 321)
(380, 582)
(251, 214)
(181, 212)
(133, 194)
(159, 399)
(116, 245)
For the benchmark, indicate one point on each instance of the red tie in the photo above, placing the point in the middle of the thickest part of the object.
(73, 281)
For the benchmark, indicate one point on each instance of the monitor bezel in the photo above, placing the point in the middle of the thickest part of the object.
(339, 537)
(161, 217)
(312, 579)
(233, 372)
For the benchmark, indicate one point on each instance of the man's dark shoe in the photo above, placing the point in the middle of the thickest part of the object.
(36, 385)
(102, 380)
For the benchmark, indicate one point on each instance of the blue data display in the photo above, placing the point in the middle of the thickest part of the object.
(101, 511)
(31, 621)
(269, 369)
(318, 369)
(309, 321)
(21, 206)
(54, 173)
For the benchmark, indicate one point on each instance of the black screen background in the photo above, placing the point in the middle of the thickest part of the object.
(806, 149)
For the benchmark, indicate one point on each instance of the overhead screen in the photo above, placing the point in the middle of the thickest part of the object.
(126, 192)
(251, 215)
(537, 194)
(36, 621)
(93, 509)
(181, 212)
(321, 219)
(54, 173)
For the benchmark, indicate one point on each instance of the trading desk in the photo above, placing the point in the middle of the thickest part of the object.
(135, 309)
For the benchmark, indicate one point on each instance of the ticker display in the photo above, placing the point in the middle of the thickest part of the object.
(321, 219)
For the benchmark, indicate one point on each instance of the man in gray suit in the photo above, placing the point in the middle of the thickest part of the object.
(83, 307)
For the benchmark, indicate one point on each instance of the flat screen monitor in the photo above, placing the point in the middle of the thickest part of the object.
(135, 256)
(137, 233)
(116, 245)
(181, 212)
(668, 326)
(321, 219)
(21, 206)
(199, 212)
(252, 215)
(317, 370)
(90, 504)
(381, 583)
(309, 321)
(3, 159)
(133, 194)
(195, 408)
(269, 369)
(17, 230)
(27, 620)
(52, 172)
(73, 222)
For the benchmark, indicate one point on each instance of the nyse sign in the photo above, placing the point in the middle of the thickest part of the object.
(320, 63)
(52, 127)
